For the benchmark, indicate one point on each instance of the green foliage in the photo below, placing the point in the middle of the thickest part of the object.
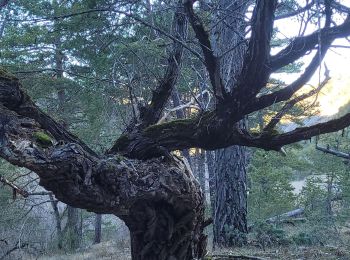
(270, 191)
(312, 233)
(302, 238)
(269, 235)
(313, 196)
(43, 139)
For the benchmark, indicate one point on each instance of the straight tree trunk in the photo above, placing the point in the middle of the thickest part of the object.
(230, 211)
(210, 160)
(201, 168)
(98, 228)
(74, 234)
(230, 194)
(57, 220)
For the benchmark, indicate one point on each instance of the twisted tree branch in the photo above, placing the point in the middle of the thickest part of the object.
(151, 113)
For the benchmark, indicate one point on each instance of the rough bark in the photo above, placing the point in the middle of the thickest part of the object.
(161, 202)
(151, 190)
(210, 158)
(201, 169)
(159, 199)
(230, 208)
(73, 228)
(230, 194)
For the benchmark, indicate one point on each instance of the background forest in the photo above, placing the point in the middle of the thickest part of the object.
(93, 71)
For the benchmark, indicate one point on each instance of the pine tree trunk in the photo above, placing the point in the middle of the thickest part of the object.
(73, 228)
(230, 208)
(230, 196)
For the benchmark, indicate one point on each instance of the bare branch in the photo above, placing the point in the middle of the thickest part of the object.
(16, 189)
(301, 45)
(296, 12)
(211, 62)
(174, 38)
(127, 14)
(275, 142)
(290, 104)
(340, 8)
(287, 92)
(150, 114)
(189, 104)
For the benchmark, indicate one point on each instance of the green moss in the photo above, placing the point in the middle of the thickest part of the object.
(275, 132)
(43, 139)
(255, 133)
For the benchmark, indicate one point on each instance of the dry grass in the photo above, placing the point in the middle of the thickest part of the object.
(109, 250)
(291, 253)
(121, 251)
(103, 251)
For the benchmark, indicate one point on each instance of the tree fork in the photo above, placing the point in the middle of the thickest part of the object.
(159, 199)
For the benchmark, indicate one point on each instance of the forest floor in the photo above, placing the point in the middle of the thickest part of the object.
(109, 250)
(103, 251)
(286, 253)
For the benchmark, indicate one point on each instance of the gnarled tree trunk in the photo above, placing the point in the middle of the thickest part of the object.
(152, 191)
(159, 199)
(161, 231)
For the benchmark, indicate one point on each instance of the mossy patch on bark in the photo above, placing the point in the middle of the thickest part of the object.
(43, 139)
